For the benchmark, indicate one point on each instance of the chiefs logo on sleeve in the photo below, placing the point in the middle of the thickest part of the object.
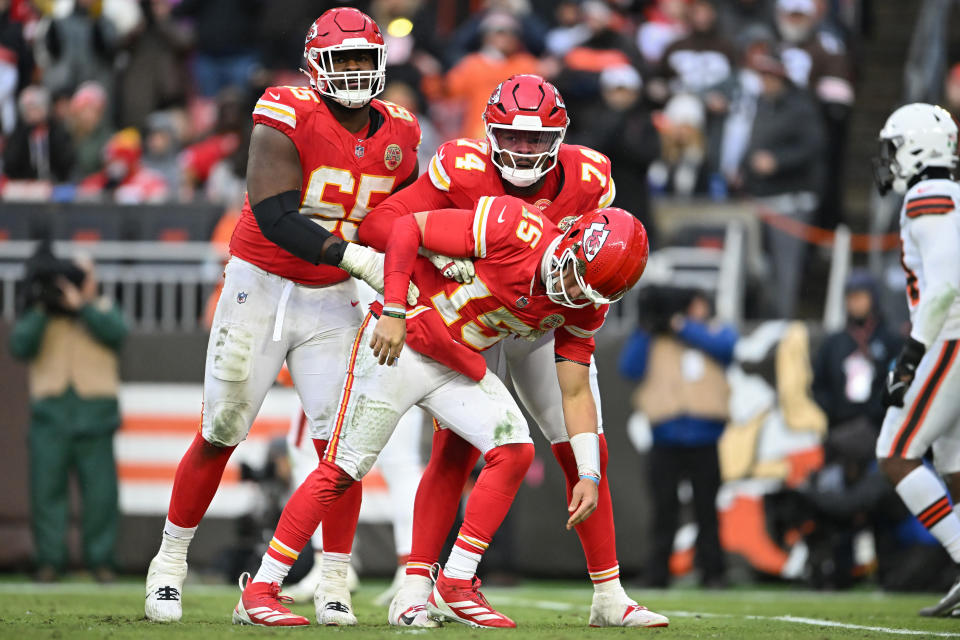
(593, 240)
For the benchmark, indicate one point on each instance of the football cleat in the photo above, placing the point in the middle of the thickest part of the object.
(946, 605)
(461, 601)
(334, 608)
(164, 586)
(307, 587)
(262, 605)
(409, 606)
(618, 610)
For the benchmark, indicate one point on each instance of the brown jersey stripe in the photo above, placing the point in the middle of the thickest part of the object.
(933, 508)
(928, 210)
(913, 202)
(920, 406)
(935, 517)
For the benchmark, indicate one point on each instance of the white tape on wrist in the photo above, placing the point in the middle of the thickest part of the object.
(586, 451)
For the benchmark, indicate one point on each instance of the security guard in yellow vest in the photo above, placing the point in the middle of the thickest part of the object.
(679, 361)
(70, 339)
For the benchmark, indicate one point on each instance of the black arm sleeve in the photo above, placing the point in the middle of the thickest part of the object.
(281, 223)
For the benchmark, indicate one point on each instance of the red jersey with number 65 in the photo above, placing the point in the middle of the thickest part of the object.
(344, 174)
(452, 322)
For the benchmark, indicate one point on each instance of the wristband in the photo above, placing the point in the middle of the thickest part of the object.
(585, 476)
(586, 451)
(395, 312)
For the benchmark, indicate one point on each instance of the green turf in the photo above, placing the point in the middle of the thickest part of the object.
(548, 610)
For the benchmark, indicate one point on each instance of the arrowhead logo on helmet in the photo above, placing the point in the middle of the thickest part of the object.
(604, 251)
(593, 239)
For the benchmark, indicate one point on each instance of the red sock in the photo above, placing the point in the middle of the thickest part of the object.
(435, 509)
(196, 481)
(597, 534)
(309, 505)
(493, 494)
(340, 524)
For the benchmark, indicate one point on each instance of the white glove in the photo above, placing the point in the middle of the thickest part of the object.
(459, 269)
(367, 264)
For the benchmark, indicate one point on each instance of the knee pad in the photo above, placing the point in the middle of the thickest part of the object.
(228, 424)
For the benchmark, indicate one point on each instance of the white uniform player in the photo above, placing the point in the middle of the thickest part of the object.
(917, 155)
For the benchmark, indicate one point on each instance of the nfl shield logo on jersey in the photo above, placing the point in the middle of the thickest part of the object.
(241, 297)
(593, 240)
(393, 156)
(521, 302)
(358, 150)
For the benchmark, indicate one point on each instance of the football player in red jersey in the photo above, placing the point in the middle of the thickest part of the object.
(320, 158)
(530, 278)
(524, 156)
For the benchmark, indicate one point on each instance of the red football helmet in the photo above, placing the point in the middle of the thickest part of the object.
(607, 250)
(345, 29)
(525, 120)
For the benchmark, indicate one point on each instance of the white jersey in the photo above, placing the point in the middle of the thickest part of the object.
(930, 237)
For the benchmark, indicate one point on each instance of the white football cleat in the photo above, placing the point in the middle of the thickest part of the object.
(334, 608)
(164, 589)
(386, 596)
(261, 605)
(409, 606)
(307, 586)
(946, 605)
(618, 610)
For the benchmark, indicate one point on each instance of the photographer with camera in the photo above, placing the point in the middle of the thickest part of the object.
(70, 338)
(678, 359)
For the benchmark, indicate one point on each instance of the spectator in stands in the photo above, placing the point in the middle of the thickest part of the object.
(702, 63)
(817, 60)
(682, 140)
(736, 16)
(16, 66)
(621, 128)
(39, 147)
(851, 365)
(678, 358)
(78, 47)
(88, 128)
(154, 75)
(226, 53)
(123, 179)
(782, 170)
(230, 135)
(473, 79)
(472, 34)
(665, 22)
(579, 77)
(161, 149)
(70, 339)
(569, 29)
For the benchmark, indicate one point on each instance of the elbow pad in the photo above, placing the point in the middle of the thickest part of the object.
(281, 223)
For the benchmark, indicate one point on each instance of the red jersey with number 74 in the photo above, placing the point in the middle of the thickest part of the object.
(344, 174)
(452, 322)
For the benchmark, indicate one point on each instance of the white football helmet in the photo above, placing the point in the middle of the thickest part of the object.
(915, 136)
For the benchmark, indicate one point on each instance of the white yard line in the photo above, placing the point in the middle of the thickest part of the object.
(551, 605)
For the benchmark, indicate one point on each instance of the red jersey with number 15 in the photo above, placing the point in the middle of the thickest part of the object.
(344, 176)
(452, 322)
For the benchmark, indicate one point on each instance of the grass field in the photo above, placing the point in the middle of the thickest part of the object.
(548, 610)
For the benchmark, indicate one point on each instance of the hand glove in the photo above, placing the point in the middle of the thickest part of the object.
(901, 376)
(459, 269)
(366, 264)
